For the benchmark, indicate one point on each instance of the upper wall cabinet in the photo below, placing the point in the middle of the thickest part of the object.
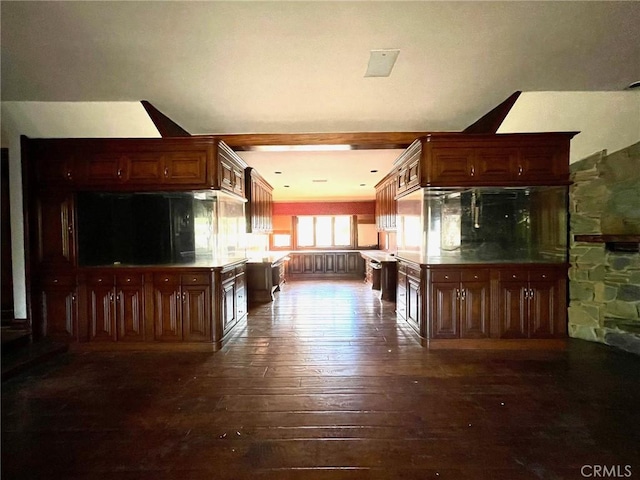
(386, 206)
(260, 202)
(458, 160)
(135, 164)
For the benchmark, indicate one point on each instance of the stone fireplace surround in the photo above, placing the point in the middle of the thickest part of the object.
(604, 277)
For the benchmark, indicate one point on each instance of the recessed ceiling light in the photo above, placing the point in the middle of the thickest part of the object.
(374, 171)
(363, 184)
(286, 186)
(321, 180)
(381, 62)
(278, 173)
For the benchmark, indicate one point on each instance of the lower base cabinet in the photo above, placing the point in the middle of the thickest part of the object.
(320, 264)
(148, 304)
(481, 301)
(57, 307)
(532, 303)
(182, 307)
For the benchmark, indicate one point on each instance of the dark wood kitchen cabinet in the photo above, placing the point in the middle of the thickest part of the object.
(259, 208)
(458, 160)
(409, 296)
(57, 307)
(115, 306)
(326, 263)
(233, 297)
(459, 303)
(386, 207)
(122, 303)
(532, 302)
(182, 306)
(53, 230)
(134, 164)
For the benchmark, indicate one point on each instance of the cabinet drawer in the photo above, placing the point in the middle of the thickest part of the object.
(167, 278)
(226, 275)
(241, 269)
(128, 279)
(512, 274)
(195, 279)
(100, 279)
(474, 275)
(402, 268)
(413, 272)
(542, 275)
(65, 280)
(445, 276)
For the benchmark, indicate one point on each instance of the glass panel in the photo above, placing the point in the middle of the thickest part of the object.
(343, 230)
(485, 224)
(323, 232)
(305, 231)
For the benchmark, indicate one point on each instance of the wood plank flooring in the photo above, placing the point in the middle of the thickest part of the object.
(324, 384)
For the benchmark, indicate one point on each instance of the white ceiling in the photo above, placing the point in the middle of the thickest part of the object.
(293, 67)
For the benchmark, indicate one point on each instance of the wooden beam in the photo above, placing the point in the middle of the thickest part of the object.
(166, 126)
(491, 121)
(357, 141)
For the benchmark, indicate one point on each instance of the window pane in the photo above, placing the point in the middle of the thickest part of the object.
(343, 230)
(323, 232)
(281, 240)
(305, 231)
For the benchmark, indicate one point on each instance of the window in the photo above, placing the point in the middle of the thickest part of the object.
(324, 231)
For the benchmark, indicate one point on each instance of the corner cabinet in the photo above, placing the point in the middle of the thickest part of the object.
(259, 196)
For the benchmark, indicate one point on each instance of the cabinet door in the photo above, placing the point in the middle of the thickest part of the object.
(413, 174)
(539, 164)
(452, 167)
(55, 171)
(474, 310)
(167, 312)
(543, 301)
(59, 308)
(354, 263)
(295, 264)
(445, 315)
(54, 230)
(145, 168)
(196, 313)
(318, 262)
(130, 307)
(513, 308)
(185, 168)
(341, 263)
(106, 169)
(401, 292)
(228, 306)
(330, 262)
(493, 165)
(414, 303)
(241, 296)
(102, 308)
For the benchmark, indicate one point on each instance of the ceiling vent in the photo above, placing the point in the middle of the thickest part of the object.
(381, 62)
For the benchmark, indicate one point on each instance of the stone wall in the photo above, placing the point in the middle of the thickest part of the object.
(604, 286)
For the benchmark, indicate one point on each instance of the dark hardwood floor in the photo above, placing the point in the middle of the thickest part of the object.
(324, 384)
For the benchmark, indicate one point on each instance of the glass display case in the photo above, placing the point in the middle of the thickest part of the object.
(484, 225)
(159, 228)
